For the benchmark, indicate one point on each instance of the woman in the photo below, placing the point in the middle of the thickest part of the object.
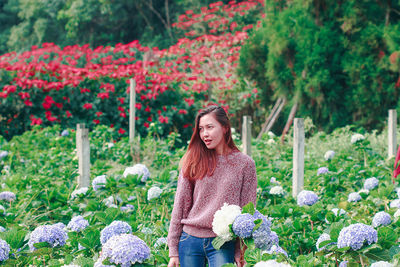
(212, 172)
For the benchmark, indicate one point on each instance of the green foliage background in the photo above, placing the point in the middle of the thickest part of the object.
(338, 59)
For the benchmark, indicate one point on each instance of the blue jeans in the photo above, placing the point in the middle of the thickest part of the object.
(194, 251)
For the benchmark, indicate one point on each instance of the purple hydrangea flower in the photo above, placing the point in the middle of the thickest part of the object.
(4, 250)
(356, 235)
(275, 250)
(322, 238)
(138, 169)
(243, 225)
(125, 250)
(53, 235)
(65, 133)
(381, 218)
(306, 197)
(322, 170)
(115, 228)
(2, 229)
(354, 197)
(7, 195)
(3, 154)
(78, 223)
(343, 264)
(274, 238)
(371, 183)
(262, 235)
(99, 182)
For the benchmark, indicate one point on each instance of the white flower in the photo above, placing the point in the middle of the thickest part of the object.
(154, 192)
(271, 134)
(223, 218)
(138, 169)
(271, 141)
(357, 137)
(397, 213)
(340, 211)
(276, 190)
(147, 230)
(110, 202)
(80, 191)
(271, 263)
(365, 191)
(397, 189)
(110, 145)
(395, 204)
(329, 154)
(382, 264)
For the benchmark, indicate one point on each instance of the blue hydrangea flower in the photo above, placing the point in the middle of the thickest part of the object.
(127, 208)
(356, 235)
(243, 225)
(371, 183)
(306, 197)
(125, 250)
(322, 238)
(275, 250)
(381, 218)
(3, 154)
(4, 250)
(99, 182)
(53, 235)
(78, 223)
(274, 238)
(354, 197)
(343, 264)
(64, 133)
(160, 241)
(59, 225)
(2, 229)
(7, 195)
(322, 170)
(115, 228)
(259, 215)
(138, 169)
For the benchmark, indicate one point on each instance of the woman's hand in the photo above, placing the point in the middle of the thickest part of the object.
(173, 262)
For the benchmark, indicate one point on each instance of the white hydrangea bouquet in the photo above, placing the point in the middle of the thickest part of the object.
(230, 222)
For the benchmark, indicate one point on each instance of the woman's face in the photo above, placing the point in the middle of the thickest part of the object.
(212, 133)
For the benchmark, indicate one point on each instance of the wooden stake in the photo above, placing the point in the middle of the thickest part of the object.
(298, 156)
(392, 126)
(246, 135)
(83, 152)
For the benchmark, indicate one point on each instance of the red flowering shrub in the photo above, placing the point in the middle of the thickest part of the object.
(78, 84)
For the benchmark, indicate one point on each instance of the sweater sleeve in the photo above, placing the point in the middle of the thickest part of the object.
(182, 204)
(249, 185)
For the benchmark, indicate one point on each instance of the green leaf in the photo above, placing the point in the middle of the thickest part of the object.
(378, 255)
(218, 242)
(249, 208)
(386, 237)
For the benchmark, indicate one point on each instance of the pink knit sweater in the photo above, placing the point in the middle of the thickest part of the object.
(234, 182)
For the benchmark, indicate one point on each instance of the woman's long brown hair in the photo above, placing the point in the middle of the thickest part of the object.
(198, 160)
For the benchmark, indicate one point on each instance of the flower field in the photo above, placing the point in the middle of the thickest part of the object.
(46, 221)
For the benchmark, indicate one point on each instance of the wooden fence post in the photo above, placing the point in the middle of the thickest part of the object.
(298, 156)
(132, 110)
(83, 151)
(246, 135)
(392, 126)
